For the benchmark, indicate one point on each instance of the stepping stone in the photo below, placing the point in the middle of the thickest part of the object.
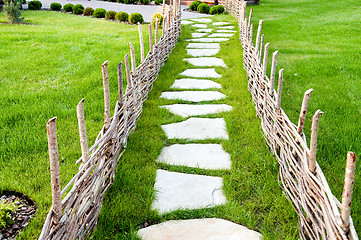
(209, 39)
(205, 156)
(204, 45)
(197, 129)
(198, 229)
(206, 62)
(202, 52)
(221, 35)
(220, 23)
(199, 25)
(226, 27)
(185, 22)
(226, 31)
(204, 30)
(193, 96)
(187, 110)
(201, 73)
(198, 35)
(190, 83)
(186, 191)
(201, 20)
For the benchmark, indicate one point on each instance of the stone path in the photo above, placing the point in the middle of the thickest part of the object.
(198, 87)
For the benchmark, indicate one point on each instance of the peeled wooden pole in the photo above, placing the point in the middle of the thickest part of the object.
(127, 71)
(82, 131)
(150, 38)
(141, 43)
(301, 120)
(260, 49)
(165, 20)
(273, 73)
(120, 83)
(106, 94)
(259, 34)
(279, 91)
(313, 143)
(54, 169)
(250, 18)
(251, 33)
(156, 31)
(264, 64)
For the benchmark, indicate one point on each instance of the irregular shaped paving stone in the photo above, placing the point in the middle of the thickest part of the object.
(201, 73)
(187, 110)
(226, 31)
(209, 39)
(202, 52)
(199, 25)
(220, 23)
(193, 96)
(226, 27)
(197, 129)
(201, 20)
(198, 35)
(204, 45)
(185, 22)
(186, 191)
(204, 30)
(206, 156)
(190, 83)
(206, 62)
(221, 35)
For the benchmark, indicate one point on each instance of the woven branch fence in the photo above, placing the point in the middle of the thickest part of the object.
(76, 214)
(321, 215)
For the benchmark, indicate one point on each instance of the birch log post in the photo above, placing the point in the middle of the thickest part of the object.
(313, 142)
(301, 120)
(273, 73)
(279, 91)
(156, 31)
(259, 34)
(141, 43)
(120, 84)
(260, 49)
(132, 57)
(127, 71)
(251, 33)
(250, 18)
(265, 58)
(150, 38)
(82, 131)
(106, 95)
(164, 25)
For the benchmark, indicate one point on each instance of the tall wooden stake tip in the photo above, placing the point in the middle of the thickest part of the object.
(51, 120)
(81, 101)
(308, 92)
(352, 155)
(105, 63)
(281, 73)
(275, 54)
(260, 22)
(317, 115)
(267, 45)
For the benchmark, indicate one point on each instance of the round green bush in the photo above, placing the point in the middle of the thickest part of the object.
(78, 9)
(34, 5)
(88, 11)
(55, 6)
(157, 2)
(68, 7)
(110, 15)
(129, 1)
(194, 5)
(203, 8)
(122, 16)
(99, 13)
(120, 1)
(217, 9)
(135, 18)
(144, 2)
(160, 19)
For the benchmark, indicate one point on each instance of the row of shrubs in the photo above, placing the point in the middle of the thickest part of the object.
(145, 2)
(205, 8)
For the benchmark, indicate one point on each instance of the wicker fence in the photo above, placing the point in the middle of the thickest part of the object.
(321, 215)
(75, 215)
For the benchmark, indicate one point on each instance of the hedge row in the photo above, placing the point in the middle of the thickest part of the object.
(204, 8)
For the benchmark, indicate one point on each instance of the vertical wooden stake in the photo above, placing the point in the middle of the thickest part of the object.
(169, 17)
(156, 31)
(244, 11)
(54, 169)
(250, 18)
(82, 131)
(347, 190)
(259, 34)
(279, 91)
(251, 33)
(265, 56)
(165, 20)
(273, 72)
(313, 143)
(301, 120)
(132, 57)
(141, 42)
(260, 50)
(150, 38)
(120, 83)
(127, 71)
(106, 94)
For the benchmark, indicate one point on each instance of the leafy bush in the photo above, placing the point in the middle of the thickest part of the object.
(78, 9)
(122, 16)
(99, 13)
(217, 9)
(194, 5)
(12, 11)
(120, 1)
(68, 7)
(112, 0)
(203, 8)
(129, 1)
(160, 19)
(110, 15)
(55, 6)
(157, 2)
(135, 18)
(144, 2)
(34, 5)
(6, 208)
(88, 11)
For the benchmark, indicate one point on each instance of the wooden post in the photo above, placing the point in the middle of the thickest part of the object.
(141, 42)
(54, 169)
(106, 94)
(169, 17)
(259, 34)
(273, 73)
(251, 33)
(82, 131)
(279, 91)
(244, 11)
(150, 38)
(120, 83)
(313, 143)
(127, 71)
(347, 190)
(265, 56)
(165, 20)
(301, 120)
(156, 31)
(132, 57)
(250, 18)
(260, 50)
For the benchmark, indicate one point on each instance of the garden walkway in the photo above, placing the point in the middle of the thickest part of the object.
(176, 190)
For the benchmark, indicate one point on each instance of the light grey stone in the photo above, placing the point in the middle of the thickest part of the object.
(206, 40)
(185, 22)
(206, 62)
(220, 23)
(190, 83)
(197, 129)
(204, 45)
(226, 27)
(193, 96)
(186, 191)
(207, 30)
(205, 156)
(202, 52)
(201, 73)
(188, 110)
(198, 229)
(199, 25)
(221, 35)
(201, 20)
(198, 35)
(226, 31)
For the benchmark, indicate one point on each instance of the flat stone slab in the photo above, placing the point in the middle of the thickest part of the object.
(226, 27)
(190, 83)
(206, 40)
(220, 23)
(205, 156)
(199, 25)
(206, 62)
(186, 191)
(198, 229)
(193, 96)
(185, 22)
(197, 129)
(201, 73)
(201, 20)
(208, 30)
(204, 45)
(187, 110)
(226, 31)
(202, 52)
(198, 35)
(221, 35)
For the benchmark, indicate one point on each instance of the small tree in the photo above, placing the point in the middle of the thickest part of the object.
(12, 11)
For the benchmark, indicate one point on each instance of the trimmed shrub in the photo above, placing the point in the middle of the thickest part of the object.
(144, 2)
(88, 11)
(34, 5)
(194, 5)
(99, 13)
(217, 9)
(120, 1)
(12, 11)
(129, 1)
(55, 6)
(78, 9)
(110, 15)
(68, 7)
(160, 19)
(157, 2)
(122, 16)
(135, 18)
(203, 8)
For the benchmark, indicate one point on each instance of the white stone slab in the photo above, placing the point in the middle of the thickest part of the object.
(201, 73)
(186, 191)
(226, 31)
(201, 20)
(204, 30)
(206, 40)
(206, 62)
(193, 96)
(190, 83)
(226, 27)
(220, 23)
(221, 35)
(199, 25)
(202, 52)
(204, 45)
(187, 110)
(205, 156)
(198, 35)
(198, 229)
(197, 129)
(185, 22)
